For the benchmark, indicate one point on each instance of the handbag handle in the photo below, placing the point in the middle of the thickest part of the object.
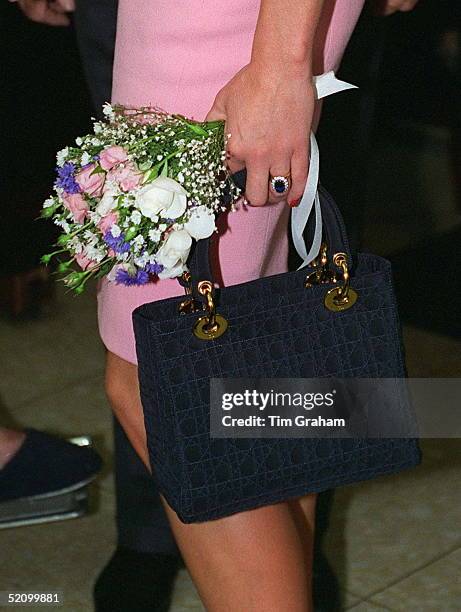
(326, 225)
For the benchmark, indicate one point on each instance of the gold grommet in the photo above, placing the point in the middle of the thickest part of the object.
(338, 300)
(204, 331)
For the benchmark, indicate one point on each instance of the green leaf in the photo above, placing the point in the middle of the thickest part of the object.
(150, 176)
(145, 165)
(165, 168)
(131, 233)
(197, 129)
(213, 124)
(98, 170)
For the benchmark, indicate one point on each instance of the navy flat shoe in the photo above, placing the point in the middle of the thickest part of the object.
(46, 465)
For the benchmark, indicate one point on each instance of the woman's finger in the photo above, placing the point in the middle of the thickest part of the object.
(234, 164)
(67, 5)
(389, 7)
(299, 172)
(257, 185)
(409, 5)
(234, 158)
(40, 12)
(280, 168)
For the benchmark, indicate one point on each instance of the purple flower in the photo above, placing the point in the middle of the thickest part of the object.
(153, 268)
(66, 178)
(125, 278)
(119, 245)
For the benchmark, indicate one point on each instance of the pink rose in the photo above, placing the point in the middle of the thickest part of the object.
(77, 205)
(83, 261)
(110, 157)
(91, 183)
(107, 221)
(126, 175)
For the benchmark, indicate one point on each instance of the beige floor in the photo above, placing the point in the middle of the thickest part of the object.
(395, 542)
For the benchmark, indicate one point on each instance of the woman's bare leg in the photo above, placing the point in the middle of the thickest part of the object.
(253, 561)
(303, 510)
(122, 390)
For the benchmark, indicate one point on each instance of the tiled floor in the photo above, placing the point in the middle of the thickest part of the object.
(395, 542)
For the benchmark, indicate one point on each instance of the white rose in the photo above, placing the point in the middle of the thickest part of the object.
(108, 200)
(173, 272)
(173, 254)
(201, 223)
(163, 196)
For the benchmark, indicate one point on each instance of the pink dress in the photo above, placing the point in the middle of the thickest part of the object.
(178, 55)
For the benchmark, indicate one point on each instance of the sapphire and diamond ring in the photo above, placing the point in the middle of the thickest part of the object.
(280, 185)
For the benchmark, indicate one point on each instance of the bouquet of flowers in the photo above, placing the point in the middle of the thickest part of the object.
(131, 197)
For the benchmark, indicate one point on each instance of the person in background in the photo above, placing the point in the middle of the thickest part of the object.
(31, 68)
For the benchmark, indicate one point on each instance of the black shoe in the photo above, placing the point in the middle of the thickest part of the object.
(326, 592)
(135, 581)
(46, 465)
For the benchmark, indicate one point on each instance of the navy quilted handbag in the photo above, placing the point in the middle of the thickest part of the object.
(270, 327)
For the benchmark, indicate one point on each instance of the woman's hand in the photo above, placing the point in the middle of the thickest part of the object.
(268, 113)
(388, 7)
(269, 104)
(48, 12)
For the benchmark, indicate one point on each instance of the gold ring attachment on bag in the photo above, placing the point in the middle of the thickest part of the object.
(212, 325)
(341, 298)
(190, 304)
(321, 275)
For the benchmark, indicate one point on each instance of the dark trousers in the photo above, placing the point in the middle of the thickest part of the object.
(141, 520)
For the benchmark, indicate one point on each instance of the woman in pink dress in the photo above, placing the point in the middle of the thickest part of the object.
(249, 62)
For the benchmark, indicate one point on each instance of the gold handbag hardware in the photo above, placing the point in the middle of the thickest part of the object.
(342, 297)
(322, 275)
(190, 304)
(338, 298)
(212, 325)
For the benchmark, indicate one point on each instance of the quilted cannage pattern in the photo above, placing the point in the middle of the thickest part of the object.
(277, 328)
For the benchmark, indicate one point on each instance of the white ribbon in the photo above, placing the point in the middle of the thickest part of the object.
(325, 85)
